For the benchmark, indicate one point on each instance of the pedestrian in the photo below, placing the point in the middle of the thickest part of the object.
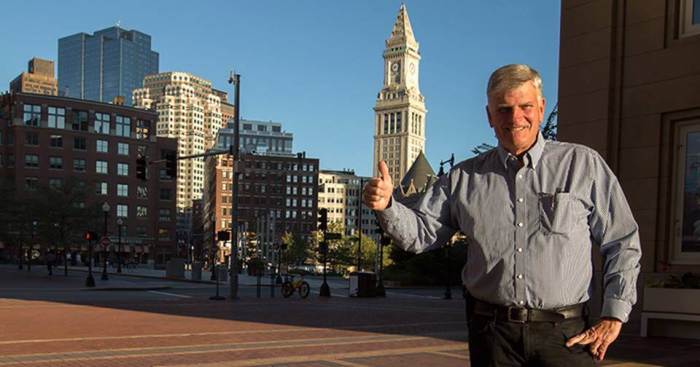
(532, 209)
(50, 259)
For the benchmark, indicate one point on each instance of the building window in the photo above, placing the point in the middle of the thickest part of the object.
(101, 167)
(164, 215)
(31, 183)
(55, 183)
(123, 126)
(57, 117)
(80, 121)
(143, 128)
(101, 146)
(79, 143)
(102, 123)
(56, 141)
(56, 162)
(142, 192)
(123, 190)
(141, 211)
(122, 169)
(123, 148)
(686, 244)
(101, 188)
(689, 18)
(165, 194)
(31, 160)
(31, 138)
(32, 114)
(122, 210)
(79, 165)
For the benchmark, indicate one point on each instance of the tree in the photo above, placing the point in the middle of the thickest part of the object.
(298, 250)
(549, 129)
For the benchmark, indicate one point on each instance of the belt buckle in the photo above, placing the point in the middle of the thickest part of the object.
(517, 315)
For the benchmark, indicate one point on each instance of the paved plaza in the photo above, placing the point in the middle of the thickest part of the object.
(141, 319)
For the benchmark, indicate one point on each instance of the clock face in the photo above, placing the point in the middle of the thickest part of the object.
(412, 68)
(395, 66)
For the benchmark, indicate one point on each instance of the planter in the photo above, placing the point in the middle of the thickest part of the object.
(675, 312)
(676, 300)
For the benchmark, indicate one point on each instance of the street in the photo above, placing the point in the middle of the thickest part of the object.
(130, 321)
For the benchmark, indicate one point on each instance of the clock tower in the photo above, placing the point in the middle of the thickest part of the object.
(399, 118)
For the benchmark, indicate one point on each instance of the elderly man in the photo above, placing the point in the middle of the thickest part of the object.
(532, 209)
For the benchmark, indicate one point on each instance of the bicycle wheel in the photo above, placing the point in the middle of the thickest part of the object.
(304, 289)
(287, 289)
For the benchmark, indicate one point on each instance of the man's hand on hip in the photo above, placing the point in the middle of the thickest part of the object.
(598, 337)
(377, 193)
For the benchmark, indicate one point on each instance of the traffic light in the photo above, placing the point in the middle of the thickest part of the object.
(222, 236)
(141, 167)
(323, 219)
(89, 235)
(171, 164)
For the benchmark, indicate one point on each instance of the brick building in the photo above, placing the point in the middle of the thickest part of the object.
(45, 140)
(629, 81)
(277, 194)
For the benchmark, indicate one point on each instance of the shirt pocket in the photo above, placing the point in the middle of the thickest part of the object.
(556, 216)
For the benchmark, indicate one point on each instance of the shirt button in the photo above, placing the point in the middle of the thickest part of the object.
(520, 276)
(520, 200)
(521, 302)
(520, 176)
(520, 249)
(520, 224)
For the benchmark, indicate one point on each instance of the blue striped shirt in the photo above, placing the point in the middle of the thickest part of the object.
(530, 226)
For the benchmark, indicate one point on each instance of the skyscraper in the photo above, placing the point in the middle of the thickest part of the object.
(189, 111)
(399, 133)
(112, 62)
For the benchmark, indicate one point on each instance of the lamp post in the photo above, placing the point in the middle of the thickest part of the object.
(120, 223)
(105, 209)
(359, 227)
(31, 247)
(448, 288)
(90, 280)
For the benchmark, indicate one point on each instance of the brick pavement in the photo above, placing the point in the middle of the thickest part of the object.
(147, 329)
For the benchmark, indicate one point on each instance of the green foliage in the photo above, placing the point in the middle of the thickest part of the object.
(428, 268)
(297, 252)
(549, 129)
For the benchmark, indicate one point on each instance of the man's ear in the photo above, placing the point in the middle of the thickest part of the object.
(488, 115)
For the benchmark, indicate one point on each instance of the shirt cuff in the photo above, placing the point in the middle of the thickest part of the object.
(616, 308)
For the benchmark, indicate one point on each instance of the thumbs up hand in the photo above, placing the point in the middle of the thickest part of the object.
(377, 193)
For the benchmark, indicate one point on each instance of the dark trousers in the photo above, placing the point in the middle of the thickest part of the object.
(502, 343)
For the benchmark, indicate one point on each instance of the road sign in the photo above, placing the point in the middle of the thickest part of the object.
(333, 236)
(105, 241)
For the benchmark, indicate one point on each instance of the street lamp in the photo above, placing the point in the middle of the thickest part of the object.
(448, 288)
(105, 209)
(120, 222)
(90, 280)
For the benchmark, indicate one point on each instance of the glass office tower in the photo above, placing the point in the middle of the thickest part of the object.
(111, 62)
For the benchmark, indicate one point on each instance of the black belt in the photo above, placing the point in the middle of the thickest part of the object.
(524, 315)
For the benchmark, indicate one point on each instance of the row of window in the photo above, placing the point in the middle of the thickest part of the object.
(304, 203)
(102, 122)
(79, 164)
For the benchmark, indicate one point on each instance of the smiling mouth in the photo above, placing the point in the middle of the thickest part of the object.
(516, 128)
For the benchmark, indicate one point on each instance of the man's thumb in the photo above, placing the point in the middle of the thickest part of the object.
(384, 171)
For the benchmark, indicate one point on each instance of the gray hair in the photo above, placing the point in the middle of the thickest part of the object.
(512, 76)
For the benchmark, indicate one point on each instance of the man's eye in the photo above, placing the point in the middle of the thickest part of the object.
(504, 109)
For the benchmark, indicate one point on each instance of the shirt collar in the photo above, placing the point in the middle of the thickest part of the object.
(531, 157)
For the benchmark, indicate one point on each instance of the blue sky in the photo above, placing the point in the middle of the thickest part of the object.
(316, 66)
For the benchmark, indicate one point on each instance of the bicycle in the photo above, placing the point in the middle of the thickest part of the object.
(289, 286)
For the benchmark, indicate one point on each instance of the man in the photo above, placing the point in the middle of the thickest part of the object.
(532, 209)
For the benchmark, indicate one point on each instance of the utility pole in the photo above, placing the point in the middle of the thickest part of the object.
(235, 79)
(359, 227)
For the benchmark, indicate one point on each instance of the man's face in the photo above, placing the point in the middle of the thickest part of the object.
(515, 116)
